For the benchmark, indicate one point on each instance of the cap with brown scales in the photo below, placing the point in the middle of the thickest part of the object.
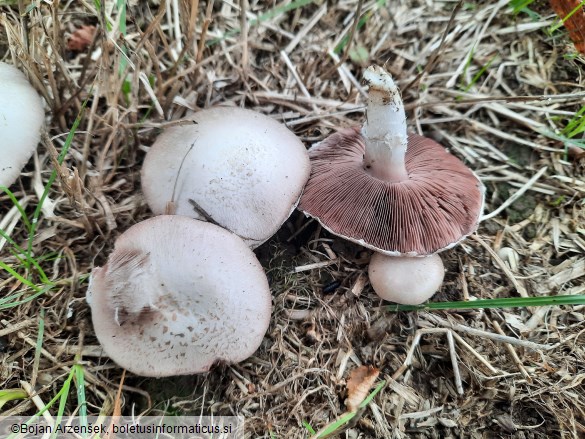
(177, 295)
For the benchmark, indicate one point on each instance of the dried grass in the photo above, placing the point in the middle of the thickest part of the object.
(139, 74)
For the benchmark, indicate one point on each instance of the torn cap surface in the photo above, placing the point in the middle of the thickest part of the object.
(178, 295)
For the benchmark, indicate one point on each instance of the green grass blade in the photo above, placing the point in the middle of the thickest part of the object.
(11, 395)
(310, 429)
(11, 302)
(369, 398)
(26, 261)
(478, 75)
(346, 417)
(17, 276)
(98, 6)
(361, 23)
(17, 251)
(17, 205)
(576, 125)
(79, 380)
(336, 425)
(509, 302)
(61, 395)
(64, 394)
(562, 21)
(564, 139)
(519, 5)
(66, 146)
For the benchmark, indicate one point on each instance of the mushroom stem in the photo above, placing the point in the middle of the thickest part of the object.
(385, 128)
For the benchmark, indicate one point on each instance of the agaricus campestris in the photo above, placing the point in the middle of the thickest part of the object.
(399, 194)
(409, 281)
(238, 168)
(176, 296)
(21, 118)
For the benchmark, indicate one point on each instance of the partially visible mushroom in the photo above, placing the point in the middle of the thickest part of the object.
(235, 167)
(178, 295)
(21, 118)
(409, 281)
(396, 193)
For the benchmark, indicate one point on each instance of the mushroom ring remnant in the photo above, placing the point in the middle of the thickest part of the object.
(176, 296)
(21, 118)
(238, 168)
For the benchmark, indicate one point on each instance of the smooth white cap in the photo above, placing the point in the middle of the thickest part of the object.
(404, 280)
(245, 170)
(21, 118)
(178, 295)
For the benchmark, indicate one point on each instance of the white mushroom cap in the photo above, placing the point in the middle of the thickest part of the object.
(178, 295)
(21, 118)
(245, 171)
(404, 280)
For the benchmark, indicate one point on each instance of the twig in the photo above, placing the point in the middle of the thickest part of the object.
(39, 403)
(472, 101)
(478, 332)
(512, 353)
(204, 28)
(516, 195)
(435, 56)
(416, 342)
(519, 287)
(359, 285)
(306, 28)
(297, 78)
(244, 36)
(453, 354)
(315, 265)
(16, 327)
(303, 227)
(475, 353)
(354, 25)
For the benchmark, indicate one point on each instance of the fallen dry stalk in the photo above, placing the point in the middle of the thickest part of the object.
(480, 333)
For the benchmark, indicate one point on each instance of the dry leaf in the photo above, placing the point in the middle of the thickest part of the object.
(445, 422)
(81, 38)
(515, 322)
(117, 412)
(359, 384)
(575, 24)
(576, 153)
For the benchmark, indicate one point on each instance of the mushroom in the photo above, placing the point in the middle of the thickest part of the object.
(21, 118)
(178, 295)
(237, 168)
(409, 281)
(399, 194)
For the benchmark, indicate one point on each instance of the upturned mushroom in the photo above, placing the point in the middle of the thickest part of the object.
(178, 295)
(400, 194)
(21, 118)
(237, 168)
